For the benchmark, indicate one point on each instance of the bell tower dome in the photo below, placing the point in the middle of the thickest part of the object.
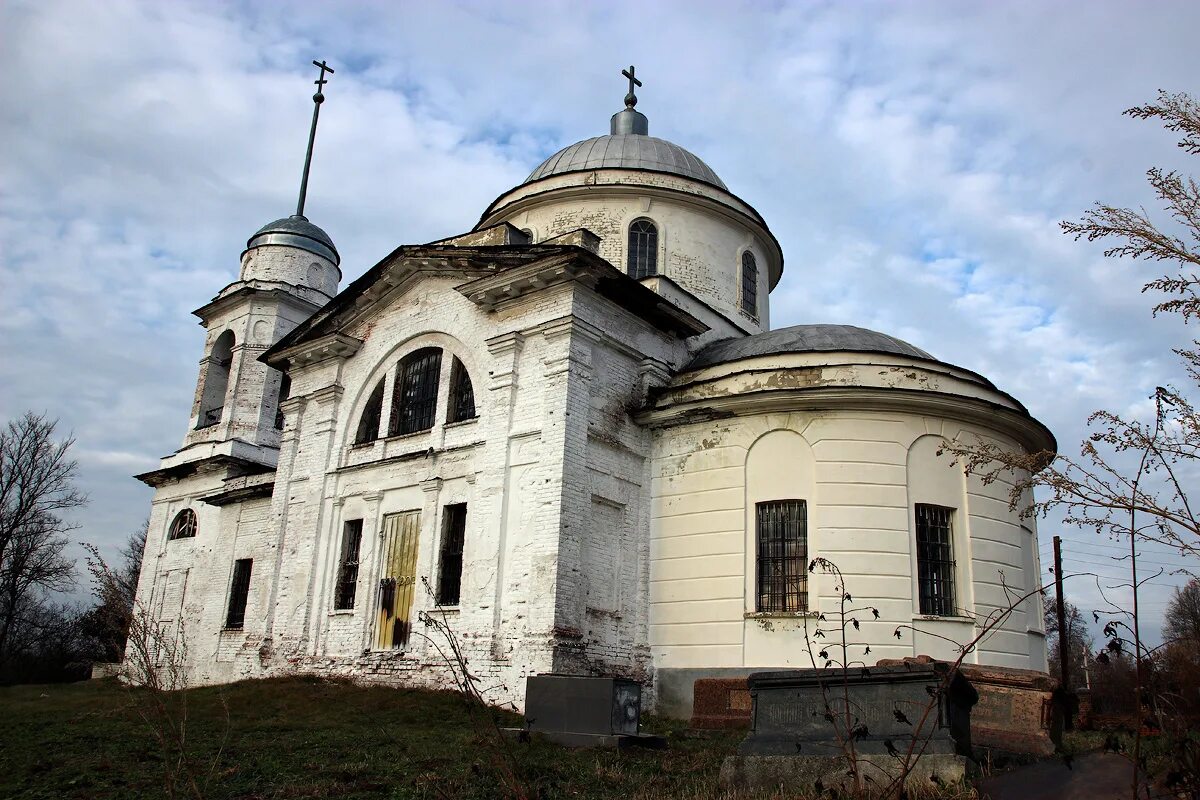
(289, 269)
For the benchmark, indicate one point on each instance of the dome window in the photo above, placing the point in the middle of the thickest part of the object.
(183, 526)
(643, 249)
(749, 284)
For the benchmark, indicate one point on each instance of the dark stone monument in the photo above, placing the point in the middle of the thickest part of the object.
(720, 703)
(579, 711)
(800, 727)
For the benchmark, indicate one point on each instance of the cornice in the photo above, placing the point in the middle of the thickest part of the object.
(1032, 435)
(324, 348)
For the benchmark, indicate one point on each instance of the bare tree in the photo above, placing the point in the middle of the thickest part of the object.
(106, 625)
(1183, 615)
(1131, 478)
(36, 487)
(1079, 642)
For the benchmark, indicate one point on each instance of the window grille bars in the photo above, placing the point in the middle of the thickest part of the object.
(643, 249)
(781, 528)
(935, 560)
(414, 398)
(368, 423)
(454, 528)
(347, 580)
(183, 526)
(749, 284)
(462, 394)
(239, 591)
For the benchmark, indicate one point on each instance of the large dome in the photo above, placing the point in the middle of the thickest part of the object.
(627, 151)
(804, 339)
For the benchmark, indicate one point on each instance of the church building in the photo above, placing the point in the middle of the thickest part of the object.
(572, 435)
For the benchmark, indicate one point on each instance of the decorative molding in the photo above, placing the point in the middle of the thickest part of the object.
(432, 485)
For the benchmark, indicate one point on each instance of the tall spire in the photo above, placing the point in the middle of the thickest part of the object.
(318, 98)
(630, 121)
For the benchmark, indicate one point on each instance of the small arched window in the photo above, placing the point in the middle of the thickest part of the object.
(216, 380)
(368, 423)
(414, 398)
(749, 284)
(643, 249)
(183, 526)
(462, 395)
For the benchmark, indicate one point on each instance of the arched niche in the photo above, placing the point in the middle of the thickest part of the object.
(940, 554)
(216, 381)
(779, 467)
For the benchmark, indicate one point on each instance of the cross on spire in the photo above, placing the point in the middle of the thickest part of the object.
(631, 98)
(318, 98)
(320, 82)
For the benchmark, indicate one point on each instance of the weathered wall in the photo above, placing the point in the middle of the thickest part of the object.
(698, 247)
(860, 472)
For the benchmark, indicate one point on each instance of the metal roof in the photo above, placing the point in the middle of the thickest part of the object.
(803, 339)
(627, 151)
(296, 231)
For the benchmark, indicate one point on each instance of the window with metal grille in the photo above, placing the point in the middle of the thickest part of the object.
(462, 394)
(749, 284)
(414, 398)
(347, 576)
(368, 423)
(239, 591)
(643, 249)
(935, 560)
(183, 526)
(781, 527)
(454, 530)
(285, 390)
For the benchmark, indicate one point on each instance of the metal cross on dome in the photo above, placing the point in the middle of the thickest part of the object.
(318, 98)
(631, 98)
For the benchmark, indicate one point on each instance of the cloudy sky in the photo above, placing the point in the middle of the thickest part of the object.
(913, 159)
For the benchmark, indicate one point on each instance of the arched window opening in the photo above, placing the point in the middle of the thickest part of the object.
(462, 394)
(414, 398)
(749, 284)
(216, 380)
(368, 423)
(643, 249)
(285, 391)
(183, 526)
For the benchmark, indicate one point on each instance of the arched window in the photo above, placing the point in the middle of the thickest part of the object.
(643, 249)
(183, 526)
(462, 395)
(414, 398)
(368, 423)
(216, 380)
(749, 284)
(285, 391)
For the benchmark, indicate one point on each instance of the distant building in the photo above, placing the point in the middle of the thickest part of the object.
(573, 433)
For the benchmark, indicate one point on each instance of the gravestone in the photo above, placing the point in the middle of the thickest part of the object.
(803, 723)
(720, 703)
(580, 711)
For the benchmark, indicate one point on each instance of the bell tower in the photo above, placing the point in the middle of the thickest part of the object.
(289, 269)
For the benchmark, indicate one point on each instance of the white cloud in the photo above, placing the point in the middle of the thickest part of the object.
(913, 159)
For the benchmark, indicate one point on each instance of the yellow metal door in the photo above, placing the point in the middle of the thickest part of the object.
(397, 579)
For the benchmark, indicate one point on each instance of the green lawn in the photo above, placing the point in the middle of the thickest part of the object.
(303, 738)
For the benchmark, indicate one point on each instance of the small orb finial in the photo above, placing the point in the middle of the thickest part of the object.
(631, 98)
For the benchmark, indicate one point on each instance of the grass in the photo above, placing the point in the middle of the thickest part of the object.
(309, 738)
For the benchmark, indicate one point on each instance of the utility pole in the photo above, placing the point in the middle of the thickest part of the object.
(1064, 655)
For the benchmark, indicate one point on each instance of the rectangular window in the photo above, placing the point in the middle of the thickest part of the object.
(781, 527)
(454, 529)
(239, 591)
(935, 560)
(347, 575)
